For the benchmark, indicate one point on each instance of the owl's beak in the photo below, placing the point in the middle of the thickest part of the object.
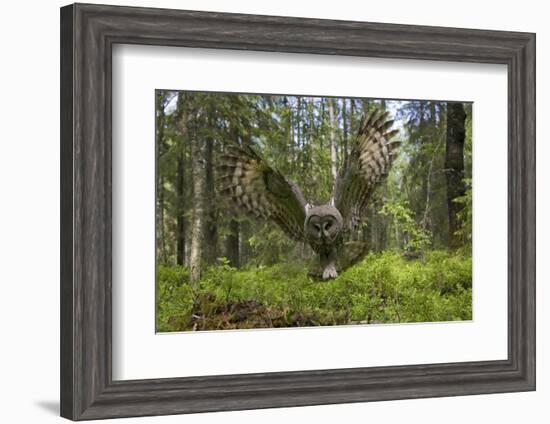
(326, 226)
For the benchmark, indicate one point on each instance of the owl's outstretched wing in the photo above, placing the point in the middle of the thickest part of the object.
(261, 191)
(368, 163)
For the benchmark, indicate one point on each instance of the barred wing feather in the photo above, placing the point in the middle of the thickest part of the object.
(260, 191)
(369, 162)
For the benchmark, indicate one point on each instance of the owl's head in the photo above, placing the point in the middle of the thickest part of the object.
(323, 224)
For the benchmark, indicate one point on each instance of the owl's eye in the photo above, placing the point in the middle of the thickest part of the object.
(317, 227)
(328, 225)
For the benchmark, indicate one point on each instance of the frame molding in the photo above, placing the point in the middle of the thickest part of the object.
(88, 33)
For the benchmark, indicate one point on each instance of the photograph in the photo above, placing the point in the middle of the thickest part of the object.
(278, 211)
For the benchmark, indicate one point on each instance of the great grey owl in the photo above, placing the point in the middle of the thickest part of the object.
(261, 191)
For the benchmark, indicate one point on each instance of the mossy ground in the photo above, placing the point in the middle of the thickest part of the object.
(383, 288)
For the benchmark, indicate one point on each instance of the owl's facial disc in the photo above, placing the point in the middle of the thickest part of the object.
(323, 224)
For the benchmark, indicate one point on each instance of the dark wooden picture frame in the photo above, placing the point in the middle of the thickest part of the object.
(88, 33)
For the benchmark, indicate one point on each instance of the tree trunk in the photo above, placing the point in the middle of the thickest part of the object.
(232, 244)
(197, 230)
(159, 147)
(427, 216)
(244, 246)
(180, 217)
(290, 129)
(454, 167)
(333, 147)
(211, 227)
(181, 224)
(322, 121)
(161, 230)
(383, 237)
(365, 103)
(309, 140)
(372, 232)
(299, 125)
(346, 132)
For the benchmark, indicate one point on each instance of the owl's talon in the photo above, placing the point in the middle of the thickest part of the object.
(330, 272)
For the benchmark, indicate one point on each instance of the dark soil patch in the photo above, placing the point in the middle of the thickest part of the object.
(248, 314)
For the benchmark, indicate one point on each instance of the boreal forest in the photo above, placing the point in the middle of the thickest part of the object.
(220, 269)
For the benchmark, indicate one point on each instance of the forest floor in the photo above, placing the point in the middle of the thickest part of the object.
(383, 288)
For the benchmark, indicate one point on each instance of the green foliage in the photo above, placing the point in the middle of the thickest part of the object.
(465, 215)
(383, 288)
(269, 245)
(422, 167)
(407, 213)
(294, 135)
(174, 298)
(415, 238)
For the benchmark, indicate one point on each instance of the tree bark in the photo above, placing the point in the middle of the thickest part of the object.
(454, 167)
(307, 163)
(232, 239)
(160, 97)
(345, 130)
(199, 186)
(322, 121)
(211, 227)
(290, 129)
(427, 216)
(299, 124)
(162, 230)
(181, 224)
(180, 217)
(333, 147)
(232, 244)
(373, 226)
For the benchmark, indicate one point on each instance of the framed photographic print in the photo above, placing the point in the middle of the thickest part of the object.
(264, 212)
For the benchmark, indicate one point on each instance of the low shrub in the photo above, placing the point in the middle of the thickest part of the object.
(383, 288)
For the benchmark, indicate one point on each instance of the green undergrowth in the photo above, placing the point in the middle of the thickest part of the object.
(383, 288)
